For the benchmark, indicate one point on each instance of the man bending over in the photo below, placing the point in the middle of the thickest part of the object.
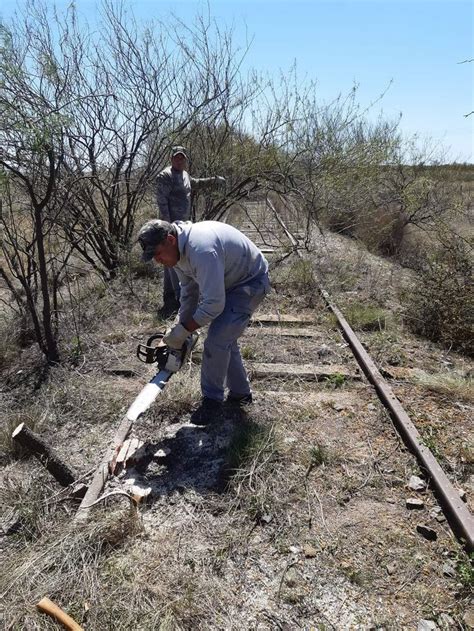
(223, 278)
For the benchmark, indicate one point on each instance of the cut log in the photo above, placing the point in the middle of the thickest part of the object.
(47, 606)
(45, 454)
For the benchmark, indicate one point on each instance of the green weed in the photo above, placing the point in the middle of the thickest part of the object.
(430, 440)
(248, 352)
(366, 317)
(318, 456)
(465, 569)
(336, 380)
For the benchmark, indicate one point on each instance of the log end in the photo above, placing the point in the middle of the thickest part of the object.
(18, 430)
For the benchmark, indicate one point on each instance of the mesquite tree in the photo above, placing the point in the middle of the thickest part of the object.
(121, 95)
(88, 117)
(86, 122)
(147, 87)
(31, 157)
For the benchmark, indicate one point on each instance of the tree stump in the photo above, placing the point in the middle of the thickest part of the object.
(45, 454)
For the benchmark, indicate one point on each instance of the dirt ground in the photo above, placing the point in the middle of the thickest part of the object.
(289, 514)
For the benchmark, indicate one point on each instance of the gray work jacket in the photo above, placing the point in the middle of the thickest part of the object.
(173, 193)
(215, 258)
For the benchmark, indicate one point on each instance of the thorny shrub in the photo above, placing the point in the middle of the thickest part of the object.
(440, 305)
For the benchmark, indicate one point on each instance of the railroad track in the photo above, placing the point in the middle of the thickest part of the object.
(273, 235)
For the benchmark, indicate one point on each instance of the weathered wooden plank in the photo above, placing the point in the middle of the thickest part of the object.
(128, 451)
(308, 372)
(353, 396)
(281, 318)
(281, 332)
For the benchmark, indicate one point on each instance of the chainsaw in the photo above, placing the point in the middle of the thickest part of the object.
(156, 351)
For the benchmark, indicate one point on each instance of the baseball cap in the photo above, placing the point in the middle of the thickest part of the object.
(151, 234)
(179, 149)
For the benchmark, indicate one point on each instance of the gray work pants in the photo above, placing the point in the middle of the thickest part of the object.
(222, 364)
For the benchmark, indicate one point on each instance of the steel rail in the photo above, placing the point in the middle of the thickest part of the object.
(455, 511)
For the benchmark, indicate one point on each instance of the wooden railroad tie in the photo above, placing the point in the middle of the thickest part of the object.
(281, 318)
(307, 372)
(281, 332)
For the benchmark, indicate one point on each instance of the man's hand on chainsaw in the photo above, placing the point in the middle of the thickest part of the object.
(176, 337)
(173, 360)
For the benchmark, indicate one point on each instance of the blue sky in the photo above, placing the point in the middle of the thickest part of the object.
(415, 44)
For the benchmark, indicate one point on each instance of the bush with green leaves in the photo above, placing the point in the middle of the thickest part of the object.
(440, 305)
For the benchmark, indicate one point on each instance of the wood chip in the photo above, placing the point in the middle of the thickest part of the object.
(128, 451)
(427, 532)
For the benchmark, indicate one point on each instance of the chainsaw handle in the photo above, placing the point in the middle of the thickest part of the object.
(157, 336)
(146, 353)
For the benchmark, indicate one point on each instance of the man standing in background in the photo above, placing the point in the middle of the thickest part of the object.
(173, 194)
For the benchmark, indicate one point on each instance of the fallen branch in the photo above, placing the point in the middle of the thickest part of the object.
(102, 472)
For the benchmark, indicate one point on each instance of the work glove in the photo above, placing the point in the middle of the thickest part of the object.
(174, 361)
(176, 337)
(220, 180)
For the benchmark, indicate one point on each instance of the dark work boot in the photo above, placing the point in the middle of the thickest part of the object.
(239, 400)
(208, 412)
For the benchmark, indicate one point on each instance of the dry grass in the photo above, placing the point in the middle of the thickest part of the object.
(252, 460)
(22, 500)
(8, 339)
(454, 386)
(112, 574)
(68, 566)
(366, 317)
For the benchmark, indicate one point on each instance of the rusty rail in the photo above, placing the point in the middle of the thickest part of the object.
(456, 512)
